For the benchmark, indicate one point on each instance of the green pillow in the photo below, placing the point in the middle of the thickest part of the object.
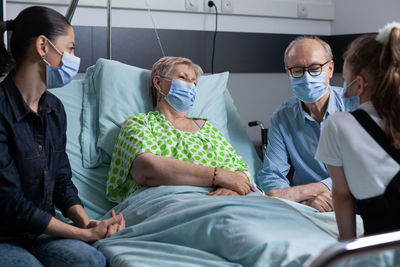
(114, 91)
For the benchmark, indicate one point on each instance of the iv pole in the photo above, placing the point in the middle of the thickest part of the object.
(70, 14)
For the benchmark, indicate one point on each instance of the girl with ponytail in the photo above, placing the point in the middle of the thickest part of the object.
(35, 174)
(362, 148)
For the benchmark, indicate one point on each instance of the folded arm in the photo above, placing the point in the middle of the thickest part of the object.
(154, 170)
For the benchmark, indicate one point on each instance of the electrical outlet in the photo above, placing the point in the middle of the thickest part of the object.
(212, 9)
(192, 5)
(227, 6)
(302, 11)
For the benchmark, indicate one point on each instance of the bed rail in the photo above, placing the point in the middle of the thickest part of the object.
(70, 14)
(357, 247)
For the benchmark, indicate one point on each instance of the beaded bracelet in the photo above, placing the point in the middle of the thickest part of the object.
(213, 183)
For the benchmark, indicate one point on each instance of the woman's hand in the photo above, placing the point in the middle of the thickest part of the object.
(220, 191)
(115, 228)
(105, 228)
(235, 181)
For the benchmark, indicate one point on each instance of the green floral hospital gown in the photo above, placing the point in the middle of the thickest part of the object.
(152, 132)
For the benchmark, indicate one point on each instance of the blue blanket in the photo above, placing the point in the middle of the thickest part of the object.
(181, 226)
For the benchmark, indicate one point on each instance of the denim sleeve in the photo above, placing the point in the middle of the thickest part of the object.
(65, 193)
(276, 165)
(15, 209)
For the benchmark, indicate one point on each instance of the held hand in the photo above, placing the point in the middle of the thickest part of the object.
(115, 228)
(92, 224)
(220, 191)
(235, 181)
(101, 229)
(322, 202)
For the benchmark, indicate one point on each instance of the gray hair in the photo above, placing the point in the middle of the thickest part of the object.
(328, 50)
(163, 68)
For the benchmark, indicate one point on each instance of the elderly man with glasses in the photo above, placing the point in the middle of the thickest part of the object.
(296, 125)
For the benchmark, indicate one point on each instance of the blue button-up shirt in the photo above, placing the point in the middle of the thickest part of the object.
(35, 173)
(293, 134)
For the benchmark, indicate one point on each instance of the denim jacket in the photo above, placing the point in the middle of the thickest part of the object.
(35, 174)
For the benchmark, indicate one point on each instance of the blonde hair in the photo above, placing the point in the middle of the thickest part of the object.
(164, 66)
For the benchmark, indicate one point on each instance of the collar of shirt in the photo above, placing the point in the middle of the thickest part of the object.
(17, 102)
(332, 108)
(370, 109)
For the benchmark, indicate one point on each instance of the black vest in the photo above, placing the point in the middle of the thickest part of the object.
(382, 213)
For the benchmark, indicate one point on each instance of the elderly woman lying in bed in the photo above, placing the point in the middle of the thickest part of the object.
(164, 147)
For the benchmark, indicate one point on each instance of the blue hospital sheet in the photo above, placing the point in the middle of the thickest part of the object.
(181, 226)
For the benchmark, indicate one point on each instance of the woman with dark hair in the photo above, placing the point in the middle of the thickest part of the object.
(35, 175)
(362, 148)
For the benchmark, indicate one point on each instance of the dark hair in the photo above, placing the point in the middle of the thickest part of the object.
(26, 27)
(382, 63)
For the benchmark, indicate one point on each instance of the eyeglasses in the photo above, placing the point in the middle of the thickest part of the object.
(313, 70)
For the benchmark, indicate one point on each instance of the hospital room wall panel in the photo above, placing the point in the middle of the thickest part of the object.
(363, 16)
(235, 52)
(85, 46)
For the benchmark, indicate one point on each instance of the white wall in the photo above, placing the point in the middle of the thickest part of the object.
(363, 16)
(138, 17)
(256, 96)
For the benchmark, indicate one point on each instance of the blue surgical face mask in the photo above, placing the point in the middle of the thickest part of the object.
(181, 95)
(354, 101)
(309, 89)
(60, 76)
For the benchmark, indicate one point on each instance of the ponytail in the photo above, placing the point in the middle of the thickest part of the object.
(386, 98)
(380, 59)
(26, 27)
(6, 60)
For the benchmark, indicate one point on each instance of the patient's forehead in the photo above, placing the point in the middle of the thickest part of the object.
(306, 52)
(184, 69)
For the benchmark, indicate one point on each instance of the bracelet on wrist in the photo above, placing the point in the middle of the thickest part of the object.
(214, 178)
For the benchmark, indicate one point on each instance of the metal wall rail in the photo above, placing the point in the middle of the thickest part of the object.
(70, 14)
(357, 247)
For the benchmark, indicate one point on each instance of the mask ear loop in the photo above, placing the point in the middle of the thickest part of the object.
(44, 59)
(160, 95)
(58, 51)
(44, 55)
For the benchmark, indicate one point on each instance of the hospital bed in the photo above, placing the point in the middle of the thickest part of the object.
(361, 247)
(180, 225)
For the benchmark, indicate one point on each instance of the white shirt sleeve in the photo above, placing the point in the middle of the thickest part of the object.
(328, 150)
